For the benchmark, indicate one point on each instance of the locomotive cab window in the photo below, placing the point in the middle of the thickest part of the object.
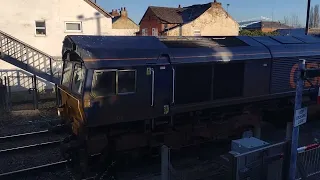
(104, 83)
(111, 82)
(126, 81)
(78, 79)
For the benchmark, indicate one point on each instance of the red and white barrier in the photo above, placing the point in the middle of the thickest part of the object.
(308, 147)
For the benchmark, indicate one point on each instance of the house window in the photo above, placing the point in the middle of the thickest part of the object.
(197, 33)
(154, 31)
(41, 28)
(73, 26)
(145, 32)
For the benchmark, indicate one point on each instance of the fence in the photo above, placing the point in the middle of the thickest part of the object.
(308, 162)
(267, 163)
(23, 93)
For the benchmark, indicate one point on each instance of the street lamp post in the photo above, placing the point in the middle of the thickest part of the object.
(228, 8)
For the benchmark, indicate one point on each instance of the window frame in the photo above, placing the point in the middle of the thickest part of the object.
(144, 32)
(197, 31)
(72, 22)
(135, 81)
(116, 81)
(102, 71)
(36, 28)
(66, 63)
(84, 80)
(154, 31)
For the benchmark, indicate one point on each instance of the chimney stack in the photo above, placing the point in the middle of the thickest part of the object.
(216, 4)
(124, 12)
(179, 6)
(115, 13)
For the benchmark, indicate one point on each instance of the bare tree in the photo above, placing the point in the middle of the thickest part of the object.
(286, 20)
(316, 16)
(295, 21)
(311, 18)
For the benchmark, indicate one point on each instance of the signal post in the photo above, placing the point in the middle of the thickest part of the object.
(300, 114)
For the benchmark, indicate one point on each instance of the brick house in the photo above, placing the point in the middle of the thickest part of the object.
(123, 23)
(197, 20)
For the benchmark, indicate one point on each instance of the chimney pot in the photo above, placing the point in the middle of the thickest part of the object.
(179, 6)
(216, 3)
(124, 8)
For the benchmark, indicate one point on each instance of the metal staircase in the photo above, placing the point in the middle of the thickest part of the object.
(29, 58)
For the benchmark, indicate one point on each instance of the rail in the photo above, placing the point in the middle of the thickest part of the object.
(41, 168)
(31, 146)
(29, 58)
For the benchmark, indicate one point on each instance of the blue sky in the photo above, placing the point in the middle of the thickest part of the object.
(239, 9)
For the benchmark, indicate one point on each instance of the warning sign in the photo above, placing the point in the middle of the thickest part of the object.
(300, 116)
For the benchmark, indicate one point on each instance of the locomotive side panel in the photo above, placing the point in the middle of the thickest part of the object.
(284, 73)
(193, 83)
(257, 77)
(228, 80)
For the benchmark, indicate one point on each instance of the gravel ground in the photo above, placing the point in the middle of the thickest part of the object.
(53, 175)
(24, 121)
(29, 158)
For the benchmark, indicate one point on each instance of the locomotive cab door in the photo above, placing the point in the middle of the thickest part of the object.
(162, 79)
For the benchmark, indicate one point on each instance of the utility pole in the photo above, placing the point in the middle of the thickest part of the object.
(308, 17)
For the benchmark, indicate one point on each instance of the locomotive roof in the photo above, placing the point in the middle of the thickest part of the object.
(110, 51)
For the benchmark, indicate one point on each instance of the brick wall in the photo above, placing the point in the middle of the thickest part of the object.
(150, 21)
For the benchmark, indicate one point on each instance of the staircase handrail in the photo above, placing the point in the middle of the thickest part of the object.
(25, 44)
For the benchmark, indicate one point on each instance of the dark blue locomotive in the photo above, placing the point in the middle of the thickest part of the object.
(129, 93)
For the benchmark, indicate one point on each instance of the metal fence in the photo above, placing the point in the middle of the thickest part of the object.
(308, 162)
(266, 163)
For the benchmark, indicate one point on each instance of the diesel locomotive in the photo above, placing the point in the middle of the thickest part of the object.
(120, 94)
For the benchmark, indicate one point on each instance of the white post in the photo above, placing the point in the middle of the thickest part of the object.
(165, 160)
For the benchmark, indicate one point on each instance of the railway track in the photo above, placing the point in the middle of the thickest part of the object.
(27, 171)
(29, 153)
